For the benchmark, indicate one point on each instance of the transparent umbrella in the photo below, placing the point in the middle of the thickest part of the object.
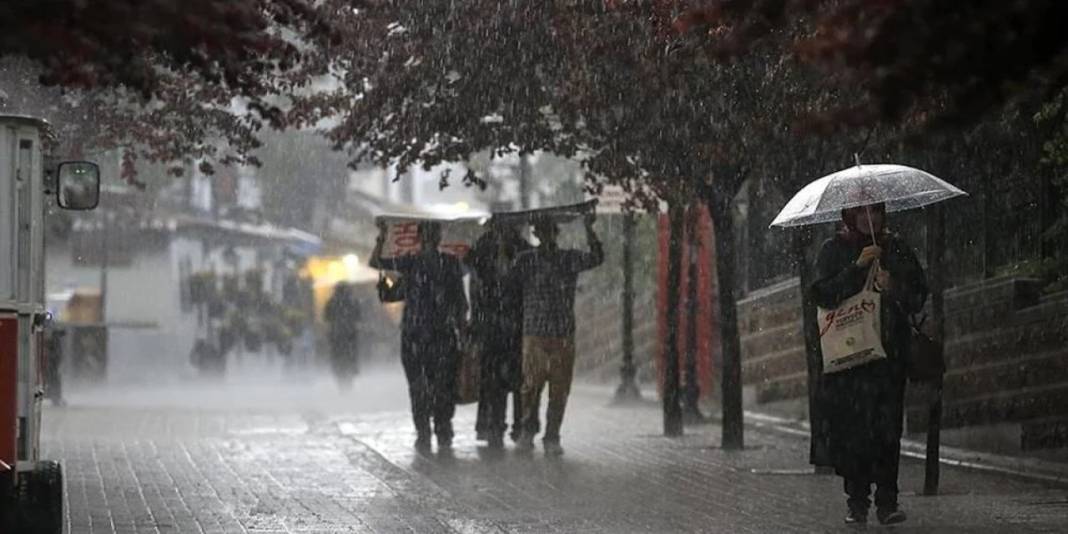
(898, 186)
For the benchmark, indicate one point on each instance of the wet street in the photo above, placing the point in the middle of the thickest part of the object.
(271, 456)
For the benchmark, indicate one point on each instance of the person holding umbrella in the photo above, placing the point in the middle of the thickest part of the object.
(497, 319)
(865, 404)
(435, 307)
(549, 275)
(863, 399)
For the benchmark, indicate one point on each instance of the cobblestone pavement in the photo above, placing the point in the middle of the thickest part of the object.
(267, 458)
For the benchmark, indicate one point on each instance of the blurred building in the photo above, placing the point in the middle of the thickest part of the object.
(140, 250)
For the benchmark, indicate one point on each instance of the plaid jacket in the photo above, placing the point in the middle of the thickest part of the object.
(549, 278)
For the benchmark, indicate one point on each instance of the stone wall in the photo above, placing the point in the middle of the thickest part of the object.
(773, 351)
(1006, 387)
(1007, 359)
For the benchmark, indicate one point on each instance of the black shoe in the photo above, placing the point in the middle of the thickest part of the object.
(890, 516)
(482, 435)
(495, 441)
(856, 517)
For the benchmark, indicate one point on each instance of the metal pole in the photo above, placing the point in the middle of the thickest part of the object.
(104, 261)
(672, 407)
(628, 390)
(936, 276)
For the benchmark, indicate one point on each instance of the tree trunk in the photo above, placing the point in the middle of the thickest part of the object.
(733, 430)
(672, 407)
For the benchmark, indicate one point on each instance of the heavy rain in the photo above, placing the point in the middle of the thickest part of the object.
(466, 266)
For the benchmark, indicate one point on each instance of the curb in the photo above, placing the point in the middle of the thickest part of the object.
(1028, 469)
(1021, 468)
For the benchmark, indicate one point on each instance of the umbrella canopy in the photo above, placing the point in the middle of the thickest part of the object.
(899, 187)
(560, 214)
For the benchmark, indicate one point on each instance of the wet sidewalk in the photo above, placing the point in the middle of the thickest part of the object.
(313, 462)
(620, 475)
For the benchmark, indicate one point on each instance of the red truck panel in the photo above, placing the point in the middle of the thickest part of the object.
(9, 358)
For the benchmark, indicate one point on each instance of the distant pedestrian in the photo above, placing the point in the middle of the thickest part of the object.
(864, 405)
(54, 361)
(342, 317)
(435, 307)
(549, 276)
(497, 320)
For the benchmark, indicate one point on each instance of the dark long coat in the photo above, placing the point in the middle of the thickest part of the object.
(497, 311)
(864, 405)
(343, 315)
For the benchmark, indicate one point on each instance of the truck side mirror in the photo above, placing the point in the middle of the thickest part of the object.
(78, 185)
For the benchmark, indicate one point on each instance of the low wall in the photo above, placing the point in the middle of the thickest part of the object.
(773, 350)
(1007, 359)
(1006, 387)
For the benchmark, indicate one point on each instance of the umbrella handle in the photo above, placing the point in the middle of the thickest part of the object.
(871, 227)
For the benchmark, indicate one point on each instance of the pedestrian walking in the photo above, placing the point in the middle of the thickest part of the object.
(497, 320)
(434, 313)
(343, 316)
(864, 404)
(53, 364)
(549, 275)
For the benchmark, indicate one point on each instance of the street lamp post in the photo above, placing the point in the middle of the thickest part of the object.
(691, 390)
(628, 390)
(105, 260)
(936, 274)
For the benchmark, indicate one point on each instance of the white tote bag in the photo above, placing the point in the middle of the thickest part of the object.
(851, 334)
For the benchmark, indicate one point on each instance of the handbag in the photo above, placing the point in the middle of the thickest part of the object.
(469, 369)
(926, 361)
(851, 334)
(390, 290)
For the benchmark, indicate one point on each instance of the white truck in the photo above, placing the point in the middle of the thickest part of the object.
(31, 489)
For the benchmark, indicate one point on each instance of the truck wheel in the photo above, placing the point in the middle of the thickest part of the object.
(41, 499)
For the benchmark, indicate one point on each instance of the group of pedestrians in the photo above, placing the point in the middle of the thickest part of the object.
(522, 317)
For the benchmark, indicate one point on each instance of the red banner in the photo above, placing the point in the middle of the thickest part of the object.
(402, 235)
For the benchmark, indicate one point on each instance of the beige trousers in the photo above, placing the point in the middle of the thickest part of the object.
(547, 360)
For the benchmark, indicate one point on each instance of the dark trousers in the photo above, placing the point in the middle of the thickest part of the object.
(884, 477)
(501, 375)
(344, 360)
(493, 412)
(430, 367)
